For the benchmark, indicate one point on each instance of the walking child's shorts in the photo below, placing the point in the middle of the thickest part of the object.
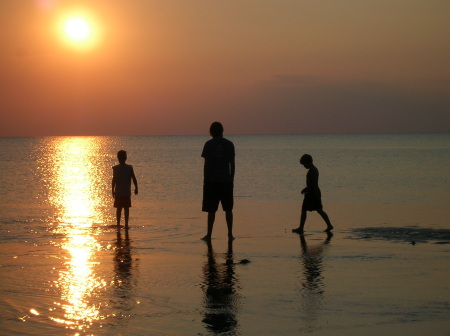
(311, 203)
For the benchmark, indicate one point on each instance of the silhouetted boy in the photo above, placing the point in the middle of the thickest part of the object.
(123, 174)
(218, 178)
(312, 200)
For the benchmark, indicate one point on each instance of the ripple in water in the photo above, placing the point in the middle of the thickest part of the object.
(410, 234)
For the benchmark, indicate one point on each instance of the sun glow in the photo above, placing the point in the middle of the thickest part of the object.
(79, 29)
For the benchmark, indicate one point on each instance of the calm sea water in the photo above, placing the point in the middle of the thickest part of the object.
(66, 270)
(407, 168)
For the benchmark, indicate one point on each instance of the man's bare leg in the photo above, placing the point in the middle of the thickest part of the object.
(211, 219)
(229, 219)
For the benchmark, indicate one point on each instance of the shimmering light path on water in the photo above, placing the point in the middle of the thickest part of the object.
(73, 177)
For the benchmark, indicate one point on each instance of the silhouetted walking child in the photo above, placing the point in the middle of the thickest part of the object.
(312, 200)
(123, 174)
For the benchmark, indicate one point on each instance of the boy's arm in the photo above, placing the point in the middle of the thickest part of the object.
(312, 181)
(113, 185)
(310, 177)
(133, 177)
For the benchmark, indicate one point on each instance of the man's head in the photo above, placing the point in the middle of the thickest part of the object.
(306, 160)
(216, 129)
(122, 156)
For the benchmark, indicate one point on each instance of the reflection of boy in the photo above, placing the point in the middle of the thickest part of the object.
(312, 200)
(218, 174)
(123, 174)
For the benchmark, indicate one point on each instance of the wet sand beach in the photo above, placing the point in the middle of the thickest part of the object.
(167, 281)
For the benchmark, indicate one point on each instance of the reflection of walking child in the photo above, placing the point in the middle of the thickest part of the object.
(312, 200)
(123, 174)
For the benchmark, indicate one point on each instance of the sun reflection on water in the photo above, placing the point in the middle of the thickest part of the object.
(77, 184)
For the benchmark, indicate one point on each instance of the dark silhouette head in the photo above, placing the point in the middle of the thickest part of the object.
(216, 129)
(306, 160)
(122, 156)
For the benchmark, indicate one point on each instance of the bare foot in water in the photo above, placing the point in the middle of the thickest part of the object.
(206, 238)
(328, 229)
(297, 230)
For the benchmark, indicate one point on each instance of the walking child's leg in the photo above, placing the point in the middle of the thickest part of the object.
(229, 219)
(302, 222)
(326, 219)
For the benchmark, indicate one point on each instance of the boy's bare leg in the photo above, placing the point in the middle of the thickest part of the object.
(229, 219)
(211, 219)
(118, 215)
(326, 219)
(127, 216)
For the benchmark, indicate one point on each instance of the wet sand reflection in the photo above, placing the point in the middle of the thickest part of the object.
(312, 288)
(123, 300)
(220, 287)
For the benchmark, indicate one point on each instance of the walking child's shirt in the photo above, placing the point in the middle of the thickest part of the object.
(312, 182)
(313, 198)
(122, 174)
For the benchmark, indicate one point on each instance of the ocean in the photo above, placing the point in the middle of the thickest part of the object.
(67, 270)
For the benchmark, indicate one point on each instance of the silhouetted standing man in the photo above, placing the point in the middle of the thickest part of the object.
(218, 178)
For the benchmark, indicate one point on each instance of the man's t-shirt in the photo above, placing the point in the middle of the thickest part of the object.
(219, 152)
(122, 174)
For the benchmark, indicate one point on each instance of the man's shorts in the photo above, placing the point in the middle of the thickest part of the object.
(213, 193)
(122, 202)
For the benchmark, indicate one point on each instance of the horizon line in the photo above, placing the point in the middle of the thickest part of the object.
(226, 134)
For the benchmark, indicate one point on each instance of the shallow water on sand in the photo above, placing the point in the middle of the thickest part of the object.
(66, 270)
(166, 282)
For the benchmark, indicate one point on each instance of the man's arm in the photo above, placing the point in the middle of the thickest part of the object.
(232, 169)
(207, 167)
(133, 177)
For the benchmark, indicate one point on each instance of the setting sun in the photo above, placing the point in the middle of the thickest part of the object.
(77, 29)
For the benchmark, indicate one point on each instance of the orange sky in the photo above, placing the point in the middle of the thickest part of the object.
(259, 66)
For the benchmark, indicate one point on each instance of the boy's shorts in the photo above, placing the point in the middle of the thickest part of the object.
(122, 202)
(213, 193)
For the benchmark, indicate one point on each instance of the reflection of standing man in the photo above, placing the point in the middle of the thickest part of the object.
(220, 286)
(218, 178)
